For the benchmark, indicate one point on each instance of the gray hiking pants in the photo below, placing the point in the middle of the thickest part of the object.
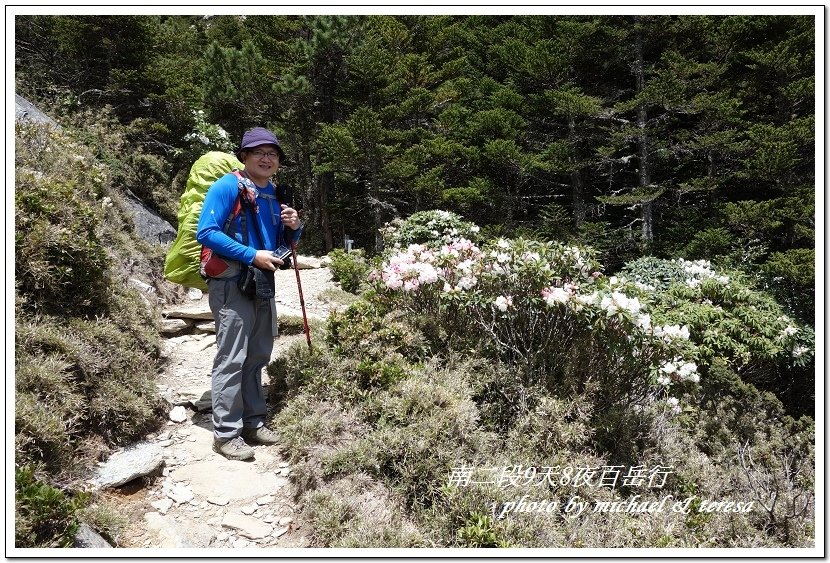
(244, 342)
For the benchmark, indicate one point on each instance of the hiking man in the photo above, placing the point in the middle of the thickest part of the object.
(244, 337)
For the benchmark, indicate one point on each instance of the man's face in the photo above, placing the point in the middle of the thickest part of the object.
(262, 161)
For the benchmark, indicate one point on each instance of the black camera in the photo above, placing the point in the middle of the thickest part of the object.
(284, 254)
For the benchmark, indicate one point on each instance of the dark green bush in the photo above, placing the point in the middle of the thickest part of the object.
(43, 515)
(349, 269)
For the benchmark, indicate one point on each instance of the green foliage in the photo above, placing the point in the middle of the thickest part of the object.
(709, 243)
(727, 317)
(60, 261)
(792, 278)
(349, 269)
(43, 515)
(91, 376)
(367, 332)
(479, 531)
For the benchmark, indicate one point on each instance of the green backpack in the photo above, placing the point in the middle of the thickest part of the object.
(181, 265)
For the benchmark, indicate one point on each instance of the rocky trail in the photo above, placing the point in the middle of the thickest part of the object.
(173, 488)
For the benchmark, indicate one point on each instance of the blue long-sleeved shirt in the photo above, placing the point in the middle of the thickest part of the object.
(218, 205)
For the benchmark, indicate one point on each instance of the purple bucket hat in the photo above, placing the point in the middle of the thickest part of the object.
(259, 136)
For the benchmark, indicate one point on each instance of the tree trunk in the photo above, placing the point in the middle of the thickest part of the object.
(642, 137)
(324, 185)
(577, 191)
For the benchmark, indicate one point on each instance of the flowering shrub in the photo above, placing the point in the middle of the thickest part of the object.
(545, 310)
(426, 227)
(727, 316)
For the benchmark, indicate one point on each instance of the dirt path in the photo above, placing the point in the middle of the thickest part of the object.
(202, 499)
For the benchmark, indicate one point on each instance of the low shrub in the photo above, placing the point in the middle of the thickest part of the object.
(61, 266)
(44, 516)
(349, 269)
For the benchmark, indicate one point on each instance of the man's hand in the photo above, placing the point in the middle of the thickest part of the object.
(265, 260)
(289, 217)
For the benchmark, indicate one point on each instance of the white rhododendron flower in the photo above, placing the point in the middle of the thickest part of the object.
(531, 257)
(619, 301)
(467, 282)
(799, 351)
(669, 368)
(672, 331)
(674, 403)
(587, 299)
(393, 281)
(503, 303)
(555, 295)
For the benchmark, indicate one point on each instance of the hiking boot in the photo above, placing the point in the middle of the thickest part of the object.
(259, 435)
(233, 448)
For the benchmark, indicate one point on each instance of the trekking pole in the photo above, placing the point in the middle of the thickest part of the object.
(300, 290)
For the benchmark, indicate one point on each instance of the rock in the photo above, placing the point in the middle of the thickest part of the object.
(173, 326)
(284, 464)
(209, 341)
(164, 531)
(194, 294)
(86, 537)
(285, 471)
(285, 520)
(279, 531)
(308, 262)
(149, 225)
(203, 403)
(222, 536)
(265, 500)
(178, 414)
(197, 311)
(24, 110)
(268, 518)
(180, 494)
(281, 482)
(130, 463)
(206, 327)
(218, 501)
(246, 526)
(141, 286)
(249, 509)
(240, 543)
(162, 505)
